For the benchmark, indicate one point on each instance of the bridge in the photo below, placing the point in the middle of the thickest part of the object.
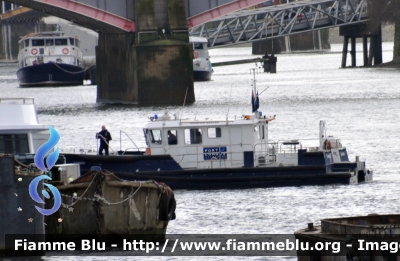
(281, 20)
(127, 29)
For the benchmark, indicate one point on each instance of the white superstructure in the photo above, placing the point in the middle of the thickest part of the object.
(47, 47)
(202, 67)
(20, 131)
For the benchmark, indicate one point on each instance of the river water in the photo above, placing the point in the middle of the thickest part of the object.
(360, 105)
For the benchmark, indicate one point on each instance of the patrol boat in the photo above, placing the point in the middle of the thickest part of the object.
(202, 67)
(49, 59)
(229, 153)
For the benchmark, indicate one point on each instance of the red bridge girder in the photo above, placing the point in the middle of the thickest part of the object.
(90, 11)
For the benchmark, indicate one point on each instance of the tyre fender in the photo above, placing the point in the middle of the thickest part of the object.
(167, 205)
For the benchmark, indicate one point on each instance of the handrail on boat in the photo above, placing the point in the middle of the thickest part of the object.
(24, 100)
(120, 141)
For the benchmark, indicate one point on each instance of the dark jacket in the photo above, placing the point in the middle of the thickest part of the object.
(106, 134)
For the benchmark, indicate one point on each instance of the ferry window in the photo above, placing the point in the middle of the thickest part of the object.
(14, 144)
(49, 42)
(71, 41)
(172, 137)
(155, 136)
(26, 43)
(214, 133)
(37, 42)
(193, 136)
(198, 46)
(21, 45)
(61, 41)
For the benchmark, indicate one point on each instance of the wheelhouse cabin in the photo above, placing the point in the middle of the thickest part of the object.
(49, 47)
(20, 131)
(203, 144)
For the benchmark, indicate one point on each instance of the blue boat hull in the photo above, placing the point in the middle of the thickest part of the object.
(202, 75)
(50, 74)
(165, 169)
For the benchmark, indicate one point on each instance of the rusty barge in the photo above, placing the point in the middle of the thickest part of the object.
(373, 237)
(99, 203)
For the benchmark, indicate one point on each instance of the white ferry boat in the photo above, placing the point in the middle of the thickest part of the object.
(202, 67)
(229, 153)
(49, 59)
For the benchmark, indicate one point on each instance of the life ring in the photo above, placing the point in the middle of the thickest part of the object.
(65, 51)
(196, 54)
(167, 205)
(34, 51)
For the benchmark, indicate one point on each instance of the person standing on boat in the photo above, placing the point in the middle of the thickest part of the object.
(105, 137)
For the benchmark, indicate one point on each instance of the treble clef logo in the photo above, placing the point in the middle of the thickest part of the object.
(50, 161)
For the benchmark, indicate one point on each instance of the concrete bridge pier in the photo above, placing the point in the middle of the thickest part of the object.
(352, 32)
(151, 66)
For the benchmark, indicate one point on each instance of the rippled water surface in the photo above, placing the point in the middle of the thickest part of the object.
(361, 106)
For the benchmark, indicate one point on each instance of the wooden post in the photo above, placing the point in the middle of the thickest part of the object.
(365, 50)
(378, 47)
(371, 50)
(353, 51)
(345, 50)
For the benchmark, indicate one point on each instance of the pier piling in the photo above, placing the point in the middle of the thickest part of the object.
(352, 32)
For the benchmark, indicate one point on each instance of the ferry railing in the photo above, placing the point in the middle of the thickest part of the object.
(21, 100)
(120, 142)
(287, 148)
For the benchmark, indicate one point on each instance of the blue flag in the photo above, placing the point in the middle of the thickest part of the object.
(255, 102)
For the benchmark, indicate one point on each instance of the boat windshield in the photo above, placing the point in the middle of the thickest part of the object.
(155, 136)
(14, 144)
(61, 42)
(198, 46)
(37, 42)
(49, 42)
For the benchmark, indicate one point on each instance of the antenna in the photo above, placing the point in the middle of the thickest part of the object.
(229, 103)
(184, 101)
(255, 103)
(254, 79)
(263, 91)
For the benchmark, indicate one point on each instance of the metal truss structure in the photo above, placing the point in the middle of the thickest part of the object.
(280, 20)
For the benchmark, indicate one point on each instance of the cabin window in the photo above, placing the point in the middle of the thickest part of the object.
(71, 41)
(155, 136)
(172, 137)
(193, 136)
(198, 46)
(49, 42)
(21, 45)
(214, 133)
(14, 144)
(37, 42)
(26, 43)
(61, 41)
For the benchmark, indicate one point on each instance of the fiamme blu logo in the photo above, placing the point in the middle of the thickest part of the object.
(50, 161)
